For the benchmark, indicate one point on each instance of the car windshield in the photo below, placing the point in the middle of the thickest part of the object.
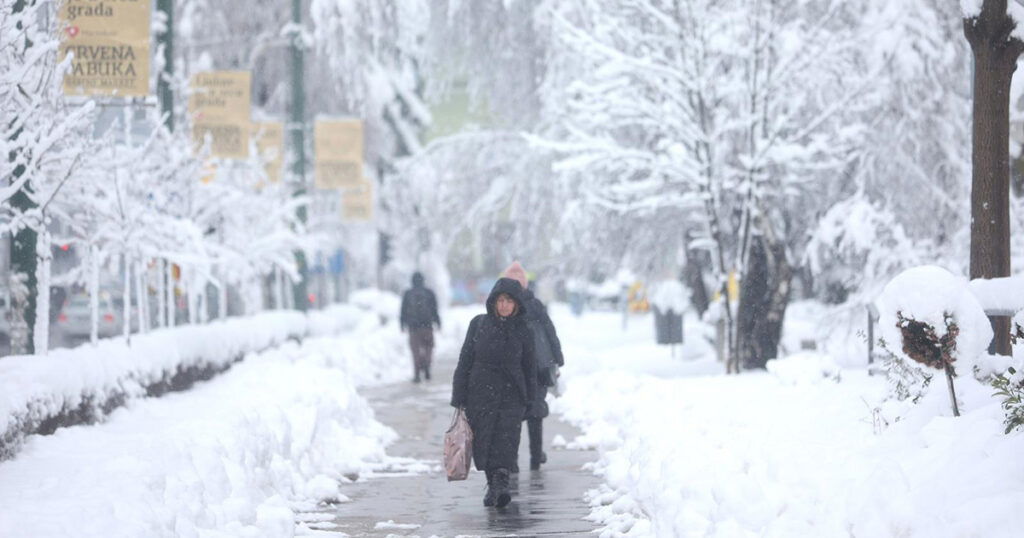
(79, 303)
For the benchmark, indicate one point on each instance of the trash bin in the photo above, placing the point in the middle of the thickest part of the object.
(668, 327)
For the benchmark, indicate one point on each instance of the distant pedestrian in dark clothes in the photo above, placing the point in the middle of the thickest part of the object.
(419, 316)
(495, 381)
(548, 350)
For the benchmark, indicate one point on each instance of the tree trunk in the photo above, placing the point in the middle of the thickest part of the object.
(94, 294)
(141, 298)
(169, 290)
(161, 293)
(995, 59)
(126, 305)
(23, 278)
(764, 296)
(41, 327)
(23, 254)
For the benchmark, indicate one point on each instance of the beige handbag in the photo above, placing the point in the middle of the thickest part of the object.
(458, 447)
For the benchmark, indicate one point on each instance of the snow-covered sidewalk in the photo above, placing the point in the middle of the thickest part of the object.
(798, 451)
(235, 456)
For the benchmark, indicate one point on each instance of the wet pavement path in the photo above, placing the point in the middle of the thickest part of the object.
(548, 502)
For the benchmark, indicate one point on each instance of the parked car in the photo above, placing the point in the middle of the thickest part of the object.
(75, 320)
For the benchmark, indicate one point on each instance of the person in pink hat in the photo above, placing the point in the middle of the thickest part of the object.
(548, 352)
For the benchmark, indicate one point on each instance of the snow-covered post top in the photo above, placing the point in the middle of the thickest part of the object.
(929, 295)
(669, 296)
(971, 9)
(1004, 296)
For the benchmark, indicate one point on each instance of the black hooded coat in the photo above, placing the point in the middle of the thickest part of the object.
(496, 379)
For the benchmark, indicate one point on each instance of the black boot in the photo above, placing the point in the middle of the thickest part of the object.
(535, 427)
(502, 494)
(489, 496)
(416, 376)
(426, 372)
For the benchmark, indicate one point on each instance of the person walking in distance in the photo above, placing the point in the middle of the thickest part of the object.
(495, 382)
(548, 350)
(419, 316)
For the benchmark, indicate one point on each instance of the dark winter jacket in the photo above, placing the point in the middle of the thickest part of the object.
(547, 346)
(539, 321)
(496, 378)
(419, 306)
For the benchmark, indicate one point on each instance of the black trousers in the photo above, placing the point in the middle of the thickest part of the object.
(535, 428)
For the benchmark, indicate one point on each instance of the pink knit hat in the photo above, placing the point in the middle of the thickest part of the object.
(516, 272)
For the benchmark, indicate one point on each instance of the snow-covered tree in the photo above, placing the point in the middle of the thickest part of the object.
(729, 112)
(42, 140)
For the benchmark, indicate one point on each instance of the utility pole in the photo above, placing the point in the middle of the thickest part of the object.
(298, 126)
(165, 94)
(164, 91)
(23, 284)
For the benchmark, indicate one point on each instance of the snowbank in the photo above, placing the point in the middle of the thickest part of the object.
(39, 394)
(802, 450)
(749, 456)
(385, 304)
(237, 456)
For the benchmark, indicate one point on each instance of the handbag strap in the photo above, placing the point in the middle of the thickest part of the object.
(455, 418)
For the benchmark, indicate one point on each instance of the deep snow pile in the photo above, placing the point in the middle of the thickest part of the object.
(235, 456)
(799, 451)
(82, 384)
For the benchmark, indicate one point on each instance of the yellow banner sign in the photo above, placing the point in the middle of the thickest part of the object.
(269, 136)
(338, 145)
(109, 41)
(357, 202)
(220, 106)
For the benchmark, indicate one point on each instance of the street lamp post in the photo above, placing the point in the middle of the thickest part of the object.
(297, 126)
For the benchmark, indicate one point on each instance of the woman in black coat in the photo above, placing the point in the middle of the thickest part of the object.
(495, 381)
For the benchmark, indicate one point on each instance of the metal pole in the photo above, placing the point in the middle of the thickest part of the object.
(164, 91)
(23, 256)
(871, 337)
(298, 124)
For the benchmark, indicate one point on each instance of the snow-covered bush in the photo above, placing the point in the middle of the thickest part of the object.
(929, 317)
(1010, 388)
(1010, 384)
(83, 385)
(856, 246)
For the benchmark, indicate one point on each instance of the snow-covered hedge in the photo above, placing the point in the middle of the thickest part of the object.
(242, 455)
(39, 394)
